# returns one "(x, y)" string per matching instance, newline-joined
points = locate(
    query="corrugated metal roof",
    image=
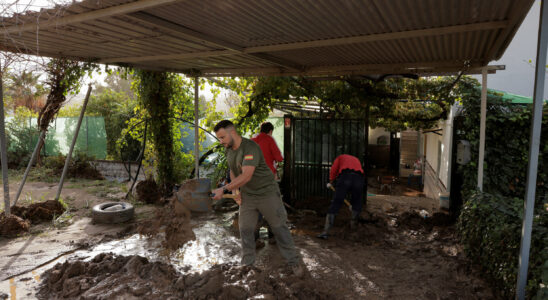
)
(273, 37)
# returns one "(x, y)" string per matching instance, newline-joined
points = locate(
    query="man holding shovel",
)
(348, 172)
(259, 194)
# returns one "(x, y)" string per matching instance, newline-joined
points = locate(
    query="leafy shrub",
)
(490, 229)
(21, 137)
(490, 223)
(79, 166)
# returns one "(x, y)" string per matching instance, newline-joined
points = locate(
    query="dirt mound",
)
(39, 212)
(229, 281)
(133, 277)
(174, 221)
(79, 166)
(112, 277)
(13, 225)
(148, 191)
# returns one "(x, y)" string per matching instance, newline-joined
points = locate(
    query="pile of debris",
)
(13, 225)
(23, 216)
(39, 212)
(108, 277)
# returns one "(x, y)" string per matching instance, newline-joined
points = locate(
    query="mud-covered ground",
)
(394, 254)
(390, 256)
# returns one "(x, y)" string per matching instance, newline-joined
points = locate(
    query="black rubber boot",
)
(329, 220)
(354, 220)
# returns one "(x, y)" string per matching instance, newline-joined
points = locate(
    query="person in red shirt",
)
(348, 172)
(271, 152)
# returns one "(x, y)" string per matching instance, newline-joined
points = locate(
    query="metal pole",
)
(69, 154)
(196, 131)
(366, 163)
(534, 143)
(482, 127)
(140, 159)
(3, 150)
(29, 166)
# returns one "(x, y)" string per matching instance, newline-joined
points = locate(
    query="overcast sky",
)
(519, 76)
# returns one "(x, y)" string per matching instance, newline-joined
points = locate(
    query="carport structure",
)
(289, 38)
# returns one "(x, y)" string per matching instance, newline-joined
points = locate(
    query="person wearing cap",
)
(348, 173)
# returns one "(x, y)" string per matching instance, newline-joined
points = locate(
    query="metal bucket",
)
(194, 193)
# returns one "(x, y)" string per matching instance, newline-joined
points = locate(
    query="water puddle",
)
(214, 244)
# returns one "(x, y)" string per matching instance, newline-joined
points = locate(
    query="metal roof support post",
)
(29, 166)
(3, 151)
(196, 128)
(69, 154)
(483, 115)
(534, 143)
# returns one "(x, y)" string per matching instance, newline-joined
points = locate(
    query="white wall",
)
(442, 179)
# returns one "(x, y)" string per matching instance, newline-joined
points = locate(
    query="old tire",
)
(100, 215)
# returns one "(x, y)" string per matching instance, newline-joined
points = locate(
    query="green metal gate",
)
(310, 147)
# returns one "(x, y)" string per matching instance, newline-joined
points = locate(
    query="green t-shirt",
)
(262, 182)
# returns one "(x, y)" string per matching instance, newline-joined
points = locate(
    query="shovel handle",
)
(330, 186)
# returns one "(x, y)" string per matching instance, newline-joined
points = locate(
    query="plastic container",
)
(445, 202)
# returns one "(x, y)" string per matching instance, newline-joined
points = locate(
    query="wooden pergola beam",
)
(88, 16)
(212, 41)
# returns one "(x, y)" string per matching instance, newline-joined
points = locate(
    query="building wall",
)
(437, 168)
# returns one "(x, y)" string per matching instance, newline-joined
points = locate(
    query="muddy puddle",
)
(214, 244)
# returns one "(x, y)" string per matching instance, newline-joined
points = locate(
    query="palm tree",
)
(25, 90)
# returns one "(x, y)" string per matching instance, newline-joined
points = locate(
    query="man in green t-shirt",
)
(259, 194)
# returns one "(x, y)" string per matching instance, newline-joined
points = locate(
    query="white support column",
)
(482, 127)
(196, 127)
(534, 145)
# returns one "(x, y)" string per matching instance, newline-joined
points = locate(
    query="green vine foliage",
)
(166, 103)
(63, 77)
(490, 223)
(395, 103)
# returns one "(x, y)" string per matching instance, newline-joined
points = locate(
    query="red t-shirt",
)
(343, 162)
(271, 152)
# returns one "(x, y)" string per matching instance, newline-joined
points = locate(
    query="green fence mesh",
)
(92, 138)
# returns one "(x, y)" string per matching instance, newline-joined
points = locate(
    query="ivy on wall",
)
(490, 223)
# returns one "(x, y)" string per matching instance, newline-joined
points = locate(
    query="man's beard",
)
(230, 144)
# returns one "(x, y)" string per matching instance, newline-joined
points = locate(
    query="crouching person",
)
(348, 173)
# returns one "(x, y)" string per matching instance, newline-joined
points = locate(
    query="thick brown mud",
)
(107, 276)
(173, 221)
(39, 212)
(13, 225)
(148, 192)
